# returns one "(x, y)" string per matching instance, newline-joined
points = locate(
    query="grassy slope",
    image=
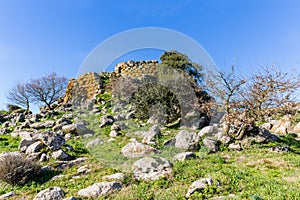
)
(254, 173)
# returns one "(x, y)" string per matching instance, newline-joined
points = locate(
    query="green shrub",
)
(16, 169)
(153, 94)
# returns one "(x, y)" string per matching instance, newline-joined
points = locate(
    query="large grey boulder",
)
(77, 129)
(199, 185)
(152, 168)
(53, 193)
(136, 149)
(42, 125)
(52, 140)
(60, 155)
(207, 131)
(211, 144)
(34, 148)
(24, 144)
(187, 140)
(100, 189)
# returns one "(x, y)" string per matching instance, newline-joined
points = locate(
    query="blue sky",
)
(38, 37)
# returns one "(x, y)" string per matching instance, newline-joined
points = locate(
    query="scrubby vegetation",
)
(79, 147)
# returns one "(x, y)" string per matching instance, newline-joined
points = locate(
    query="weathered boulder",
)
(151, 135)
(60, 155)
(24, 144)
(170, 142)
(152, 168)
(52, 140)
(211, 144)
(42, 125)
(207, 131)
(77, 129)
(198, 186)
(100, 189)
(53, 193)
(187, 140)
(184, 156)
(136, 149)
(34, 148)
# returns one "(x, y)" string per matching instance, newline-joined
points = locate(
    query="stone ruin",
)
(88, 85)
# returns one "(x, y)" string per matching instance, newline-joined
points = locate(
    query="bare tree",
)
(267, 92)
(19, 95)
(47, 89)
(270, 91)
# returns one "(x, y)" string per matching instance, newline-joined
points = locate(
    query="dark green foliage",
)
(16, 169)
(181, 61)
(11, 108)
(154, 94)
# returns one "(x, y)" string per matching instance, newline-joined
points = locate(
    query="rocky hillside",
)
(95, 149)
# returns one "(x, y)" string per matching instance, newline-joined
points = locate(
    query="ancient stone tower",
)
(90, 84)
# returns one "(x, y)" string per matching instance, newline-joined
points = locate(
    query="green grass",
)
(254, 173)
(8, 143)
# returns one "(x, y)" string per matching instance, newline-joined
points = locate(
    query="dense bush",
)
(16, 169)
(153, 94)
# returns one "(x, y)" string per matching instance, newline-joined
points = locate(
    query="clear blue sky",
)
(38, 37)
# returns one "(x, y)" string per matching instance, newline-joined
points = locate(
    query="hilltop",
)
(100, 142)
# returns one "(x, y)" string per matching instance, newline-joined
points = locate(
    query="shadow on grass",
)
(46, 176)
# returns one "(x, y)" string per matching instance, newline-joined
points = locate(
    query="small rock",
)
(282, 130)
(206, 131)
(199, 185)
(44, 157)
(53, 193)
(100, 189)
(7, 195)
(187, 140)
(53, 140)
(211, 144)
(60, 155)
(67, 164)
(151, 168)
(136, 149)
(170, 142)
(280, 149)
(111, 140)
(58, 177)
(116, 177)
(83, 169)
(236, 147)
(35, 147)
(94, 142)
(151, 134)
(106, 120)
(184, 156)
(113, 134)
